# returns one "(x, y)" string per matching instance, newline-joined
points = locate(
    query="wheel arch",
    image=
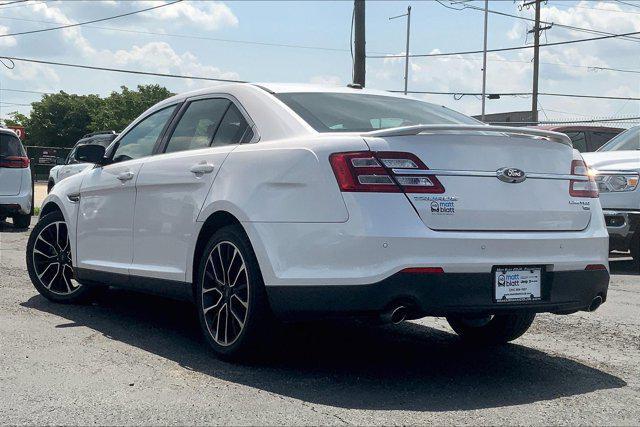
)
(213, 223)
(50, 207)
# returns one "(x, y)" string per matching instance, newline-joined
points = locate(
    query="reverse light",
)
(382, 172)
(14, 162)
(587, 188)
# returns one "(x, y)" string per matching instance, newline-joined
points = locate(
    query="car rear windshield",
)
(627, 140)
(10, 146)
(348, 112)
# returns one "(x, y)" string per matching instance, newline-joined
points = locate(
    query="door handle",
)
(125, 176)
(202, 168)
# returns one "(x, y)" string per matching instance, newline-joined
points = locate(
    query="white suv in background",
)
(71, 166)
(300, 202)
(16, 181)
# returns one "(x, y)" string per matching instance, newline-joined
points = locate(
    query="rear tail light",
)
(595, 267)
(587, 188)
(383, 172)
(14, 162)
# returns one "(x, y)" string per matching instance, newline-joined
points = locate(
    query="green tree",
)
(61, 119)
(121, 108)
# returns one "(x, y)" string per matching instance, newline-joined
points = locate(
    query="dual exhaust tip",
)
(397, 314)
(595, 303)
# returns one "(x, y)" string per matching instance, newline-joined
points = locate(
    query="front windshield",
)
(627, 140)
(354, 112)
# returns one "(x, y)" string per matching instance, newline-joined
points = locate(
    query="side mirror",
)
(91, 153)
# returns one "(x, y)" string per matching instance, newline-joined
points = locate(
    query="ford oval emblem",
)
(511, 175)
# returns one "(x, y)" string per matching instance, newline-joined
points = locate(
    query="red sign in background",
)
(19, 130)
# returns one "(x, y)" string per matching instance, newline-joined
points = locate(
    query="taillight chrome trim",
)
(486, 174)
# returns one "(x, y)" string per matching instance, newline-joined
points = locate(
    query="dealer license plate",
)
(513, 284)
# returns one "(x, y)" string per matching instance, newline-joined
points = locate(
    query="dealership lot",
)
(136, 359)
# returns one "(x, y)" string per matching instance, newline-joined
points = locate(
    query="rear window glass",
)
(350, 112)
(10, 146)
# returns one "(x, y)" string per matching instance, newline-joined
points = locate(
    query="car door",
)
(107, 198)
(172, 187)
(71, 166)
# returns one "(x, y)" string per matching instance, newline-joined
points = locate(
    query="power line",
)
(92, 21)
(189, 36)
(504, 49)
(13, 2)
(627, 3)
(120, 70)
(567, 95)
(570, 27)
(25, 91)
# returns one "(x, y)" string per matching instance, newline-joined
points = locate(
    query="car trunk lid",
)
(480, 174)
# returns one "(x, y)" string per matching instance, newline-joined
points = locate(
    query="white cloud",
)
(160, 57)
(206, 15)
(6, 41)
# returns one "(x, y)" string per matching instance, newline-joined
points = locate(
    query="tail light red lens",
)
(595, 267)
(587, 188)
(14, 162)
(423, 270)
(383, 172)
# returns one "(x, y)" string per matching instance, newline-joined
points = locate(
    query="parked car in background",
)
(16, 182)
(585, 138)
(617, 169)
(300, 201)
(71, 166)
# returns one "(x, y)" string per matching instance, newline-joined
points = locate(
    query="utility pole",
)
(484, 58)
(359, 43)
(406, 55)
(537, 4)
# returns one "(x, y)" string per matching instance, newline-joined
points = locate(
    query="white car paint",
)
(16, 186)
(304, 230)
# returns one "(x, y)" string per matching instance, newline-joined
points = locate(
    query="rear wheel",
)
(22, 221)
(230, 295)
(49, 261)
(498, 329)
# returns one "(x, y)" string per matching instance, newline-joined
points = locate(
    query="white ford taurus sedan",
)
(292, 202)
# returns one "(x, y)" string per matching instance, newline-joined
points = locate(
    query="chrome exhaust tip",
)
(597, 302)
(395, 315)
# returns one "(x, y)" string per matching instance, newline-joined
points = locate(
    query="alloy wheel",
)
(225, 293)
(52, 259)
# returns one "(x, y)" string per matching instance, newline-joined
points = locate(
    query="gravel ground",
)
(136, 359)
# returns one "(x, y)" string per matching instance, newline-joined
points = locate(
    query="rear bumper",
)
(436, 295)
(19, 204)
(623, 227)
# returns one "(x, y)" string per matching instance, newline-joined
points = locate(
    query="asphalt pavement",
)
(130, 358)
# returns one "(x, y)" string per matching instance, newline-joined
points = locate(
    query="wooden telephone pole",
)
(537, 4)
(359, 53)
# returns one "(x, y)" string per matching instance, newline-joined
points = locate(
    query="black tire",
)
(59, 288)
(257, 321)
(22, 221)
(499, 329)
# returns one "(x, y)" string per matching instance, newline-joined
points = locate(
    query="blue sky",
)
(324, 24)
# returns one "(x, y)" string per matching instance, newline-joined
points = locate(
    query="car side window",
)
(232, 128)
(140, 141)
(599, 138)
(578, 139)
(71, 157)
(198, 125)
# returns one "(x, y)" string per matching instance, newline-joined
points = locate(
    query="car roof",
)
(274, 88)
(8, 132)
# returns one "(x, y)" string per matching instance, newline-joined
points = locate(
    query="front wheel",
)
(230, 295)
(498, 329)
(49, 261)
